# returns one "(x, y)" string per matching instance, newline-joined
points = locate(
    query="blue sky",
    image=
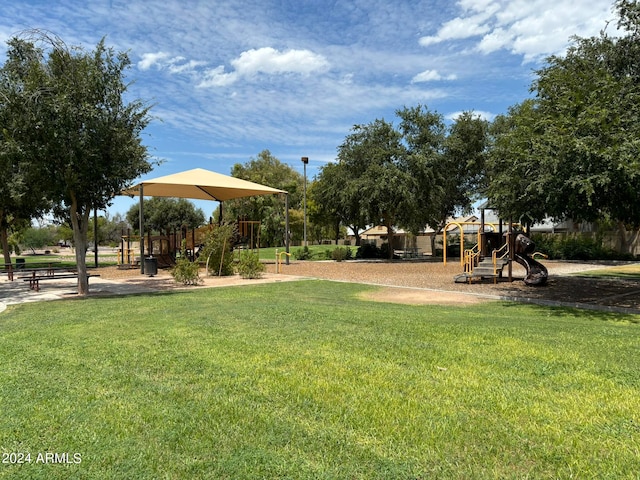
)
(231, 78)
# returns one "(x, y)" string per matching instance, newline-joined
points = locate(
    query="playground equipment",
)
(279, 259)
(496, 250)
(249, 232)
(479, 267)
(166, 248)
(475, 266)
(461, 226)
(126, 254)
(524, 252)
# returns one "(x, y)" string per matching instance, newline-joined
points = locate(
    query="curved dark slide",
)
(536, 272)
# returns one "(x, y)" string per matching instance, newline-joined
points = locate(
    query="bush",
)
(368, 250)
(384, 251)
(185, 271)
(575, 247)
(302, 253)
(249, 265)
(340, 253)
(216, 252)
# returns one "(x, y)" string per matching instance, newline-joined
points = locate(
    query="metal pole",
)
(305, 160)
(95, 235)
(286, 224)
(141, 230)
(511, 252)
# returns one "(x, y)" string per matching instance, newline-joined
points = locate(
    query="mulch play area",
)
(432, 282)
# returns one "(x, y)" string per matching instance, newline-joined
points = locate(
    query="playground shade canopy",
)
(200, 184)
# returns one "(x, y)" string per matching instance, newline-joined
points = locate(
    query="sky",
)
(228, 79)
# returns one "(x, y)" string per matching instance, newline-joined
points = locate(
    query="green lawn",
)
(622, 272)
(303, 380)
(318, 252)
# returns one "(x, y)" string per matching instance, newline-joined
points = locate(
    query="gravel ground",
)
(431, 282)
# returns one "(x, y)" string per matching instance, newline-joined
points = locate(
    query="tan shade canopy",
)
(200, 184)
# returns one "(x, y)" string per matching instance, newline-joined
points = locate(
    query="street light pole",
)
(305, 160)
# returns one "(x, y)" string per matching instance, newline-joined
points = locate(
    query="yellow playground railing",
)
(499, 254)
(471, 257)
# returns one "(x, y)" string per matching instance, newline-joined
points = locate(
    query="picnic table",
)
(10, 269)
(50, 274)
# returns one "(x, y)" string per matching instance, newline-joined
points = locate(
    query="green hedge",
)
(575, 247)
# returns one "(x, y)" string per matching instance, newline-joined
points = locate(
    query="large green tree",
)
(419, 174)
(336, 200)
(516, 180)
(268, 170)
(572, 151)
(22, 190)
(166, 215)
(448, 161)
(89, 145)
(378, 170)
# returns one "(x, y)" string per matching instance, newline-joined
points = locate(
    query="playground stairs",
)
(484, 269)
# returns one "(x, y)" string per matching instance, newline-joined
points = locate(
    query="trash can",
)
(151, 266)
(20, 263)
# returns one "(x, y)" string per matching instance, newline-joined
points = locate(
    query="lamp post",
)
(305, 160)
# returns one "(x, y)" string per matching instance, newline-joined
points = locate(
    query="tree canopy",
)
(22, 192)
(165, 215)
(76, 129)
(415, 175)
(266, 169)
(572, 151)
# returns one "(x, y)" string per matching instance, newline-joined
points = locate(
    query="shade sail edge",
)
(200, 184)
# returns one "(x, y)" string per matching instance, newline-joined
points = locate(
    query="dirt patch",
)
(409, 296)
(563, 287)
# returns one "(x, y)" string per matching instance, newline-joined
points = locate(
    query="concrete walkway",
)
(18, 291)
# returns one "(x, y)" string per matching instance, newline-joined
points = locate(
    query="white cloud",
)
(271, 61)
(152, 59)
(216, 77)
(175, 65)
(268, 61)
(531, 28)
(431, 76)
(185, 67)
(463, 27)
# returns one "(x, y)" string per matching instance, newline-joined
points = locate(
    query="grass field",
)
(303, 380)
(318, 252)
(623, 272)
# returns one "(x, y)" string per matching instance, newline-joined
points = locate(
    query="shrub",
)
(185, 271)
(216, 252)
(340, 253)
(368, 250)
(302, 253)
(249, 265)
(384, 251)
(574, 247)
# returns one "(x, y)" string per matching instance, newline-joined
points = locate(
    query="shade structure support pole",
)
(511, 248)
(286, 226)
(95, 235)
(141, 216)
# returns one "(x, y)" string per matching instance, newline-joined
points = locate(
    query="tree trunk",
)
(390, 240)
(433, 244)
(80, 225)
(356, 233)
(4, 240)
(626, 241)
